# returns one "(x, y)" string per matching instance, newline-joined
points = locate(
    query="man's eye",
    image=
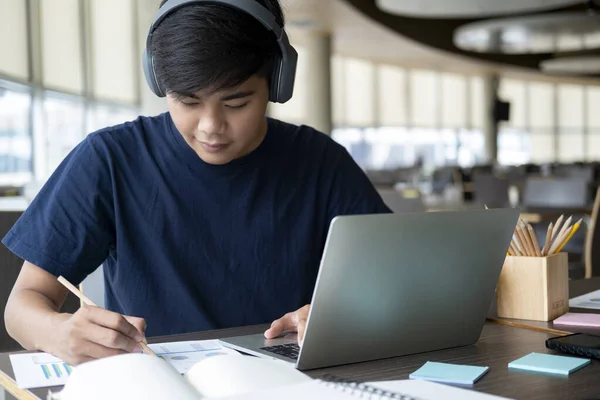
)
(237, 107)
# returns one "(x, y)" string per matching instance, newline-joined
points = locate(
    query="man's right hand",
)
(94, 332)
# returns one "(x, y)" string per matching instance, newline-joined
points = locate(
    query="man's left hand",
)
(292, 321)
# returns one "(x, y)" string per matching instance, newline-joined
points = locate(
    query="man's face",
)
(226, 124)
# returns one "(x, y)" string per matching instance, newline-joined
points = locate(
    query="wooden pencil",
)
(525, 240)
(570, 235)
(513, 249)
(556, 227)
(90, 302)
(524, 249)
(565, 228)
(559, 240)
(7, 383)
(517, 239)
(515, 244)
(536, 244)
(548, 240)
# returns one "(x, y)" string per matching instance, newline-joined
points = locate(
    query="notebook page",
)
(300, 391)
(130, 376)
(419, 390)
(235, 375)
(433, 391)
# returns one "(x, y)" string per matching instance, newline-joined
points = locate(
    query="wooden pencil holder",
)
(534, 288)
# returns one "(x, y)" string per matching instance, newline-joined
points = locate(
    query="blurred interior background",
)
(399, 83)
(446, 104)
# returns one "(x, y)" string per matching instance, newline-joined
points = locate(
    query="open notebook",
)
(231, 377)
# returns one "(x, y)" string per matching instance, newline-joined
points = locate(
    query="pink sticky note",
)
(579, 319)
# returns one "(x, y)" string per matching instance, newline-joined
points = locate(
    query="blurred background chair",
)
(490, 190)
(556, 193)
(402, 201)
(592, 241)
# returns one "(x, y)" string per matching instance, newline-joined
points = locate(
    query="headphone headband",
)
(284, 69)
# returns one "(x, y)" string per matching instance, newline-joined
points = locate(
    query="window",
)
(593, 101)
(424, 98)
(541, 105)
(63, 127)
(14, 61)
(61, 45)
(454, 101)
(15, 136)
(593, 123)
(570, 123)
(542, 143)
(391, 84)
(100, 116)
(347, 137)
(359, 88)
(570, 106)
(115, 52)
(471, 150)
(513, 146)
(477, 102)
(593, 145)
(571, 145)
(338, 94)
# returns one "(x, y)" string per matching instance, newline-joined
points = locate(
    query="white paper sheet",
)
(35, 370)
(183, 355)
(590, 301)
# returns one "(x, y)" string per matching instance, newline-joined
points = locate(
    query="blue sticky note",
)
(449, 373)
(549, 363)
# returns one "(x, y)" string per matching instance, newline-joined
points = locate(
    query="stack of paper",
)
(548, 363)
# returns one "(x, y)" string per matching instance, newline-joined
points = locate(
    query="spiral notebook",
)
(333, 388)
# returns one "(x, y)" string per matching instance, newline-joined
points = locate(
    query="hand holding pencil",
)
(526, 244)
(93, 332)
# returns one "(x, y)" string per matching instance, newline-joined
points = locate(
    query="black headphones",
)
(284, 66)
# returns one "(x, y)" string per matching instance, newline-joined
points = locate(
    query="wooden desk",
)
(497, 346)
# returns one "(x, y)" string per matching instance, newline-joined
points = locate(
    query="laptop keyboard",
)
(287, 350)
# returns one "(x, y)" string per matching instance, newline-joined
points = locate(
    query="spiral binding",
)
(362, 390)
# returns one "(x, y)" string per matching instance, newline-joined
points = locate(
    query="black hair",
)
(212, 47)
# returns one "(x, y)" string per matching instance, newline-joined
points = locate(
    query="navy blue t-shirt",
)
(187, 245)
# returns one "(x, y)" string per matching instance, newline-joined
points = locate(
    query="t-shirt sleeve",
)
(68, 228)
(351, 191)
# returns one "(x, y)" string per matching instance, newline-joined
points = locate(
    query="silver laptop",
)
(397, 284)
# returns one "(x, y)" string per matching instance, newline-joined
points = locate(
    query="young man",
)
(208, 216)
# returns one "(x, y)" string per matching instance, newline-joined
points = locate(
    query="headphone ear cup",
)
(150, 74)
(275, 82)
